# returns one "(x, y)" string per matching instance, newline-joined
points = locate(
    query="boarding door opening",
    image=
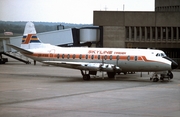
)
(51, 54)
(117, 60)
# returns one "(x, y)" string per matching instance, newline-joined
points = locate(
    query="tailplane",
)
(30, 40)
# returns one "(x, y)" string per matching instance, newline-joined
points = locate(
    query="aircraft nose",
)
(174, 65)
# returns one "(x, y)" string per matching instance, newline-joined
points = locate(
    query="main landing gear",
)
(111, 74)
(161, 76)
(86, 74)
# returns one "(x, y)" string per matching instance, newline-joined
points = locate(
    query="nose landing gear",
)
(161, 76)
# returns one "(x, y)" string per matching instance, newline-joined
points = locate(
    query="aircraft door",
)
(51, 55)
(117, 60)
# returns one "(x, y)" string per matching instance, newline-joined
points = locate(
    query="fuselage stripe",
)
(91, 57)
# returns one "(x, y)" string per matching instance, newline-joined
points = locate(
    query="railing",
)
(17, 56)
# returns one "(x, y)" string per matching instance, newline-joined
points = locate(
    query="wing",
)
(85, 66)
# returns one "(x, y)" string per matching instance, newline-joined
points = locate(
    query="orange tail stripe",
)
(28, 38)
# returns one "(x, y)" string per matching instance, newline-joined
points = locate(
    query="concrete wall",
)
(159, 3)
(167, 19)
(114, 23)
(113, 36)
(139, 19)
(119, 18)
(108, 18)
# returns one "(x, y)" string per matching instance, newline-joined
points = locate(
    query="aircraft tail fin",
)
(29, 39)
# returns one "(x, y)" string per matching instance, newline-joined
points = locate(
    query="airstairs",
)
(14, 55)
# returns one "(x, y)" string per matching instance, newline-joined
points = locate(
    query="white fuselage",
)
(126, 59)
(91, 60)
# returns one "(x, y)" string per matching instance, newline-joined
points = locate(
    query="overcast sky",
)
(69, 11)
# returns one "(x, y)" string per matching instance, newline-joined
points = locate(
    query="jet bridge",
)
(85, 36)
(53, 37)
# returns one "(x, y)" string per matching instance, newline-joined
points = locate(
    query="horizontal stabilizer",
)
(20, 49)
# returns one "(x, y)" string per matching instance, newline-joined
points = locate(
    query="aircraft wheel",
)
(111, 74)
(170, 74)
(155, 80)
(162, 79)
(86, 77)
(125, 73)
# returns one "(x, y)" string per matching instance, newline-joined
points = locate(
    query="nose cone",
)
(174, 65)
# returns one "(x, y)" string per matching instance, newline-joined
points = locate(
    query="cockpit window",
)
(160, 54)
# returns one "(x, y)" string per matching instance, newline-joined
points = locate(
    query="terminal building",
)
(159, 29)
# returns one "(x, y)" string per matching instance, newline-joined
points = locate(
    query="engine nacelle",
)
(110, 68)
(101, 67)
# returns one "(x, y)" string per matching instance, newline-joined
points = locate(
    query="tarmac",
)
(48, 91)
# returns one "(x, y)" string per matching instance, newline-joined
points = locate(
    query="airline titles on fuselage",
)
(104, 52)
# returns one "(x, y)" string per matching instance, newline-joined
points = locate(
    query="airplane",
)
(91, 60)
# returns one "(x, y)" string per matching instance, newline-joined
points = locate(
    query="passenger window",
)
(128, 58)
(63, 56)
(86, 56)
(135, 58)
(58, 55)
(92, 56)
(117, 57)
(74, 56)
(99, 56)
(80, 56)
(68, 56)
(110, 57)
(105, 57)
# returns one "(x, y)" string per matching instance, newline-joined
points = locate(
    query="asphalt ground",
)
(48, 91)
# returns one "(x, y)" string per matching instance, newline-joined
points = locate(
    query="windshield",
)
(160, 54)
